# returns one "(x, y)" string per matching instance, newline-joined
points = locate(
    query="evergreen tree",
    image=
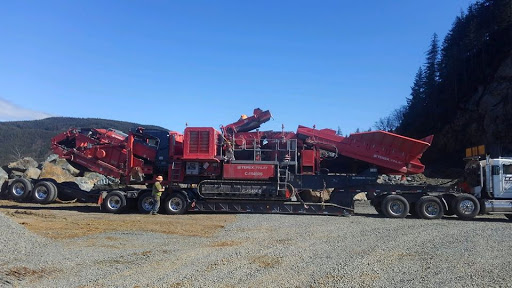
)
(415, 106)
(338, 132)
(432, 99)
(446, 88)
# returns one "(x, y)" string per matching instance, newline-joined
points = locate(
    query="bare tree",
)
(16, 153)
(391, 122)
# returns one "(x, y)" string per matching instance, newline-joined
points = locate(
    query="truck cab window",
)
(495, 170)
(507, 169)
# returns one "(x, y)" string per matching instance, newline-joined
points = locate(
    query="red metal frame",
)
(200, 143)
(250, 123)
(117, 155)
(394, 152)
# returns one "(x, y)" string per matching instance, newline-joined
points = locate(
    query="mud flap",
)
(102, 196)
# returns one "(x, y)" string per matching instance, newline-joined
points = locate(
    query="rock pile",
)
(53, 168)
(3, 179)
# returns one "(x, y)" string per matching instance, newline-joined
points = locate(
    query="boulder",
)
(51, 158)
(3, 181)
(316, 196)
(53, 171)
(3, 174)
(32, 173)
(15, 174)
(64, 164)
(84, 183)
(23, 164)
(100, 181)
(60, 172)
(360, 197)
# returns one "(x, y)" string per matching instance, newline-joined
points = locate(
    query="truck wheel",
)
(429, 207)
(378, 208)
(114, 202)
(377, 204)
(509, 216)
(395, 206)
(43, 192)
(146, 203)
(176, 204)
(19, 189)
(465, 206)
(56, 192)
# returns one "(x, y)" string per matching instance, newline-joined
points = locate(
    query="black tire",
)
(56, 192)
(19, 189)
(146, 203)
(465, 206)
(395, 206)
(429, 207)
(176, 203)
(509, 216)
(378, 209)
(114, 202)
(377, 204)
(43, 192)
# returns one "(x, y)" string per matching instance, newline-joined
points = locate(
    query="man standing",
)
(157, 192)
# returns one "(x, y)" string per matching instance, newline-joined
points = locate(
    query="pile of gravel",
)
(16, 243)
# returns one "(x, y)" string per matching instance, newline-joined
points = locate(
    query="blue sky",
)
(324, 63)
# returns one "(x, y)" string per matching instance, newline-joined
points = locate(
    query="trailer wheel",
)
(43, 192)
(56, 192)
(429, 207)
(176, 204)
(395, 206)
(19, 189)
(377, 204)
(114, 202)
(465, 206)
(378, 209)
(146, 203)
(509, 216)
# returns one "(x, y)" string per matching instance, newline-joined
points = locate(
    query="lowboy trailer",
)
(238, 170)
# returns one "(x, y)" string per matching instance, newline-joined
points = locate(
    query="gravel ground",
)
(270, 251)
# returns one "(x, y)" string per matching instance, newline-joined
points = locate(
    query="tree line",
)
(467, 59)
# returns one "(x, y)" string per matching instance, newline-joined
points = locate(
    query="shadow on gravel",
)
(479, 219)
(82, 209)
(369, 215)
(449, 218)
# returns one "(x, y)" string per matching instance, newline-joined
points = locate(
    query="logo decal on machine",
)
(248, 171)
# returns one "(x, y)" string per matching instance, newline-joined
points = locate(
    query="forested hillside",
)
(33, 138)
(463, 92)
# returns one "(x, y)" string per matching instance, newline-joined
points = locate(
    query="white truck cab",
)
(496, 178)
(499, 184)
